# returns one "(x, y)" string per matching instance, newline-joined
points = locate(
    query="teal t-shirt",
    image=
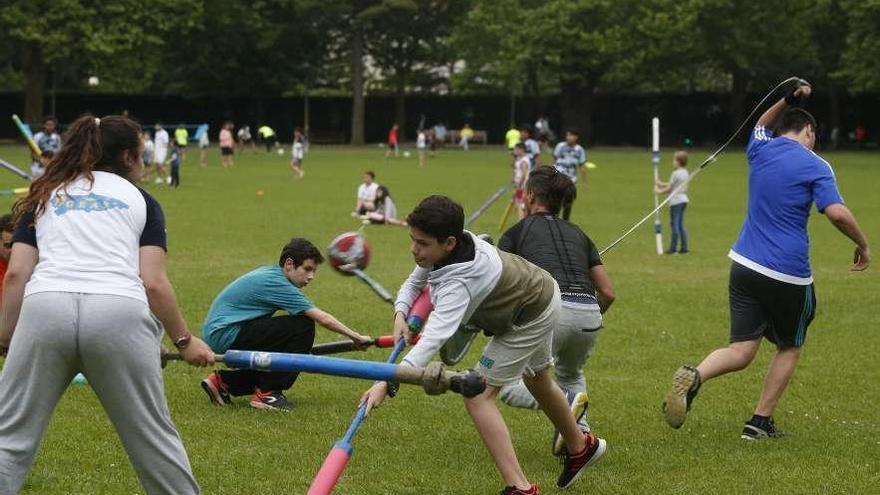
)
(257, 294)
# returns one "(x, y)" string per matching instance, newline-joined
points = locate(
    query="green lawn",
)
(670, 311)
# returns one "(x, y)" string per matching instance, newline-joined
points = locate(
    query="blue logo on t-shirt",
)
(62, 203)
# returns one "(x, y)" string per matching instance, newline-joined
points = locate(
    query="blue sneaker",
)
(272, 400)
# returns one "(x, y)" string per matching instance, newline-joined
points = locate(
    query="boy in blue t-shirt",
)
(771, 285)
(241, 317)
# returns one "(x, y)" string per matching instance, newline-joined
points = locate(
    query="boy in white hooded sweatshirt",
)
(514, 301)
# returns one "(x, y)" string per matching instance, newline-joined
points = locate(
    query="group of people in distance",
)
(569, 159)
(427, 140)
(540, 296)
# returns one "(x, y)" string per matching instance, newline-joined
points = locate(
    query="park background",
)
(603, 66)
(346, 70)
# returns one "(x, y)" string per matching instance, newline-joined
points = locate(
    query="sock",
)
(760, 421)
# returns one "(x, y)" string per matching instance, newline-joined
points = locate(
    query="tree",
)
(407, 43)
(122, 38)
(861, 68)
(753, 43)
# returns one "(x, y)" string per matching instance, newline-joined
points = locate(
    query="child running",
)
(298, 150)
(511, 299)
(567, 253)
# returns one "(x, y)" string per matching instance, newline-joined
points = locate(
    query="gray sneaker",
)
(685, 385)
(578, 402)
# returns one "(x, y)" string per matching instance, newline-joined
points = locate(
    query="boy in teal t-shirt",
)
(241, 317)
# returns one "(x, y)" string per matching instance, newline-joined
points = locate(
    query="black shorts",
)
(764, 307)
(224, 151)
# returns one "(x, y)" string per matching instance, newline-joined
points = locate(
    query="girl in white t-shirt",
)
(421, 146)
(298, 150)
(85, 279)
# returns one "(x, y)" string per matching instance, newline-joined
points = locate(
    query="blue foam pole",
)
(279, 361)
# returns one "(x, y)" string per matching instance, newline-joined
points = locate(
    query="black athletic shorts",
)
(226, 151)
(764, 307)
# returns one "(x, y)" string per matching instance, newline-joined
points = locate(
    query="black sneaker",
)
(273, 400)
(512, 490)
(685, 385)
(578, 403)
(217, 391)
(573, 466)
(759, 430)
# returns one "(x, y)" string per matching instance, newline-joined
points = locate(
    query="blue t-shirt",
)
(785, 179)
(257, 294)
(569, 158)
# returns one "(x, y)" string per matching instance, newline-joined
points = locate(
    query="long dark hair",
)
(89, 144)
(551, 188)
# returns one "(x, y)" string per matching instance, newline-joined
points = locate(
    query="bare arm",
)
(604, 287)
(840, 216)
(769, 117)
(583, 173)
(21, 265)
(329, 322)
(163, 304)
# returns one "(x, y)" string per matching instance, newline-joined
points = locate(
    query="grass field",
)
(670, 310)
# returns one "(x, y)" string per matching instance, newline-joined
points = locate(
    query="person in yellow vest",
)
(181, 136)
(466, 135)
(511, 138)
(267, 136)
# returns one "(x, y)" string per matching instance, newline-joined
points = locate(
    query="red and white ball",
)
(348, 250)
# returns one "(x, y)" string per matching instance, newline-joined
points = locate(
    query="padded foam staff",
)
(15, 170)
(339, 455)
(318, 350)
(434, 378)
(25, 132)
(486, 204)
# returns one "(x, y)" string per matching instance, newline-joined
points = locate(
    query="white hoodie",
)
(456, 292)
(496, 291)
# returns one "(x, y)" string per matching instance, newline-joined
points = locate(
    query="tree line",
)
(570, 48)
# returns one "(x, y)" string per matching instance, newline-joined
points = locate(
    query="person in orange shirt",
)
(6, 227)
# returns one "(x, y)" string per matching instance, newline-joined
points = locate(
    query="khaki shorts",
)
(524, 350)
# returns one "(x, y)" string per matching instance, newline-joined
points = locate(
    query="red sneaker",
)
(512, 490)
(573, 466)
(217, 391)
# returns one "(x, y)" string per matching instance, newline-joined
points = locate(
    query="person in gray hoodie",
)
(512, 300)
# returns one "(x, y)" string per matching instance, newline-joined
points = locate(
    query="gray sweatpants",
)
(114, 342)
(573, 341)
